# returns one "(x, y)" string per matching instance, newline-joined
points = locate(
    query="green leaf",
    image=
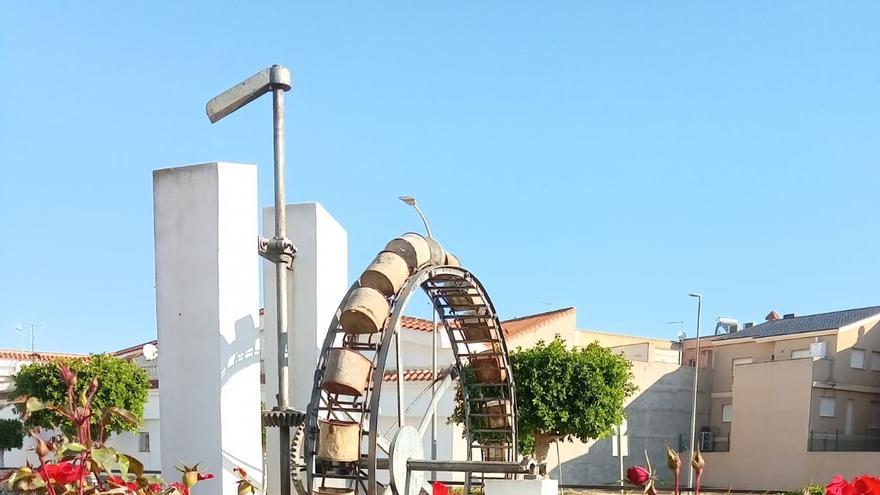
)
(134, 466)
(105, 457)
(124, 414)
(33, 405)
(75, 448)
(122, 462)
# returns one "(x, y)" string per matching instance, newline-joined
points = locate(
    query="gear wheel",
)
(297, 458)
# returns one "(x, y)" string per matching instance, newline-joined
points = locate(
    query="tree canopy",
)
(122, 384)
(566, 393)
(11, 434)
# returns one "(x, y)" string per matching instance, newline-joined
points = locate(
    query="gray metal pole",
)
(401, 413)
(620, 453)
(434, 391)
(281, 283)
(424, 220)
(694, 405)
(279, 250)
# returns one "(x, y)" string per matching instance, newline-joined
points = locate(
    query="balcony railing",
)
(837, 441)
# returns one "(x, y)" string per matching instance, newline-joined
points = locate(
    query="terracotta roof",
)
(134, 351)
(417, 324)
(37, 356)
(414, 375)
(517, 326)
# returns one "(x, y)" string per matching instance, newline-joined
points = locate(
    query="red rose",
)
(637, 475)
(439, 488)
(866, 485)
(180, 488)
(861, 485)
(61, 473)
(155, 488)
(121, 483)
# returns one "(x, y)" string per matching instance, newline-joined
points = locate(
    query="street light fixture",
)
(694, 405)
(412, 202)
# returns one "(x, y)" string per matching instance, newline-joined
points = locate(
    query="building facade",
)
(803, 389)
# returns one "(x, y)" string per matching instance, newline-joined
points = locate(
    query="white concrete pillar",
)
(317, 284)
(207, 298)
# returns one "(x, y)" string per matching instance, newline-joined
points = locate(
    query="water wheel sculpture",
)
(340, 449)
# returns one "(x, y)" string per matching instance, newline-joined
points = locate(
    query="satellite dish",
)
(682, 335)
(150, 351)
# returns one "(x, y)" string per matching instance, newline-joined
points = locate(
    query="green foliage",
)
(11, 434)
(123, 385)
(812, 489)
(566, 393)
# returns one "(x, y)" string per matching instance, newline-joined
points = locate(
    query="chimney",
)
(772, 316)
(748, 325)
(788, 316)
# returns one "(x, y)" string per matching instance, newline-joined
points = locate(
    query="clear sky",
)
(605, 155)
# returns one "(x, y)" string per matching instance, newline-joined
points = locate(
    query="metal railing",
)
(837, 441)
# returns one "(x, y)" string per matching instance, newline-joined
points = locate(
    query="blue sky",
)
(608, 156)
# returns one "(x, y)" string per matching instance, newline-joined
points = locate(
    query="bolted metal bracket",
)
(277, 250)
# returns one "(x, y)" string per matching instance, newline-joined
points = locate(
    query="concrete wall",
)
(207, 301)
(769, 436)
(316, 286)
(658, 415)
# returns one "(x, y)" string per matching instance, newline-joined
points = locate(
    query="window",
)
(874, 415)
(727, 413)
(144, 441)
(875, 361)
(801, 353)
(857, 359)
(826, 407)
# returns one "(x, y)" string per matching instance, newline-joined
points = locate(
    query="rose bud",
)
(698, 463)
(637, 475)
(673, 460)
(68, 376)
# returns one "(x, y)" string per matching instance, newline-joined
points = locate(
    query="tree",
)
(122, 384)
(564, 393)
(11, 436)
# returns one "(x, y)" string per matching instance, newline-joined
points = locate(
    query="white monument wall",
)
(206, 304)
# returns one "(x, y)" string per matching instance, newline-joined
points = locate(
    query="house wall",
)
(658, 415)
(607, 339)
(772, 417)
(865, 336)
(771, 410)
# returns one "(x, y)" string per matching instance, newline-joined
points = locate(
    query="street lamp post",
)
(279, 249)
(694, 405)
(411, 201)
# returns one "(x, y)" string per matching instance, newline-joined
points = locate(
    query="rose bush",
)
(82, 463)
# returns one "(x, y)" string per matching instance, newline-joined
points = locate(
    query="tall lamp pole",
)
(411, 201)
(279, 249)
(694, 405)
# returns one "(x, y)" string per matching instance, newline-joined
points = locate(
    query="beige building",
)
(793, 400)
